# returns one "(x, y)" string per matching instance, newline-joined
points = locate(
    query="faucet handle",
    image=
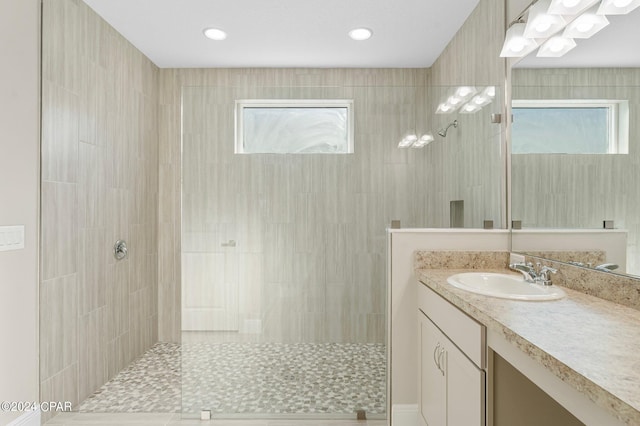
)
(544, 276)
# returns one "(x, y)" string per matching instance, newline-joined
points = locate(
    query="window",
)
(570, 126)
(297, 126)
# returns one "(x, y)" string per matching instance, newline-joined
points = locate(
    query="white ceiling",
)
(287, 33)
(617, 45)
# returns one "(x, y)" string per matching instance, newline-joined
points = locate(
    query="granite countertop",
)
(590, 343)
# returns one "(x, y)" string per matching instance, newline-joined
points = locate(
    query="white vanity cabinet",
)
(452, 384)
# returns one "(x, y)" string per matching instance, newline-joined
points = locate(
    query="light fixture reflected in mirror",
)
(424, 140)
(412, 141)
(407, 141)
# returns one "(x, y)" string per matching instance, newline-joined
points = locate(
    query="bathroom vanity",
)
(568, 361)
(452, 363)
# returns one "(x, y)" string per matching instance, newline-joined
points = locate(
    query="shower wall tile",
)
(92, 186)
(92, 264)
(301, 223)
(99, 183)
(61, 387)
(59, 229)
(58, 325)
(92, 367)
(59, 133)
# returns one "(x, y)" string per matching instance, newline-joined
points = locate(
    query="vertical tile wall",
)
(470, 163)
(580, 191)
(99, 184)
(310, 229)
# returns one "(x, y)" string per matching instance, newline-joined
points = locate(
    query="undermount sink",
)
(504, 286)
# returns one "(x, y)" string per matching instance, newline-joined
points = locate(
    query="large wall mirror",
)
(576, 140)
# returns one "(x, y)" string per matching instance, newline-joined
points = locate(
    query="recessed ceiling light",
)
(215, 34)
(360, 34)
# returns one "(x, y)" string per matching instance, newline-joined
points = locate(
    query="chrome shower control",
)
(120, 250)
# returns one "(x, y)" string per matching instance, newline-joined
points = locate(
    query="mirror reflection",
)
(575, 154)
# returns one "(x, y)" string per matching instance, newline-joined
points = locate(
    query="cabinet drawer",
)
(467, 334)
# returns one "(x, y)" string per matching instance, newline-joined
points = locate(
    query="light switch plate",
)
(11, 237)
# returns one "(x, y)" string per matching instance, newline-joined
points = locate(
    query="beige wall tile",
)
(59, 230)
(100, 183)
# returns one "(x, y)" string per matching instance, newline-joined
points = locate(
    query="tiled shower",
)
(133, 152)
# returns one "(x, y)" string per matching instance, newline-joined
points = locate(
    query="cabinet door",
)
(432, 387)
(465, 389)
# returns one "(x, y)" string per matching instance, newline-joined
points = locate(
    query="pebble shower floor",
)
(249, 378)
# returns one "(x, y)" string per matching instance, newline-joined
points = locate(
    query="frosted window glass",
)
(294, 130)
(561, 130)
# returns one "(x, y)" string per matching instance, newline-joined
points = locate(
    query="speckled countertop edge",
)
(591, 344)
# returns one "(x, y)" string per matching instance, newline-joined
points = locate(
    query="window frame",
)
(242, 104)
(618, 118)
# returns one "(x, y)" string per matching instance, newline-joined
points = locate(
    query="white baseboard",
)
(404, 415)
(29, 418)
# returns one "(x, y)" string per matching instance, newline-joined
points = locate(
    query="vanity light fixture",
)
(465, 92)
(585, 19)
(586, 25)
(480, 100)
(569, 7)
(471, 107)
(540, 23)
(459, 97)
(617, 7)
(215, 34)
(489, 91)
(412, 141)
(360, 34)
(445, 108)
(407, 141)
(555, 47)
(424, 140)
(516, 45)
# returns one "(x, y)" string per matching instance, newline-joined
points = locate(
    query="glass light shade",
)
(480, 100)
(516, 45)
(465, 92)
(424, 140)
(617, 7)
(407, 141)
(489, 91)
(454, 101)
(215, 34)
(540, 23)
(445, 108)
(471, 107)
(569, 7)
(556, 47)
(585, 25)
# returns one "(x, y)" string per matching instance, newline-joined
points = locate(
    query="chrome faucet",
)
(544, 276)
(526, 269)
(606, 267)
(538, 274)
